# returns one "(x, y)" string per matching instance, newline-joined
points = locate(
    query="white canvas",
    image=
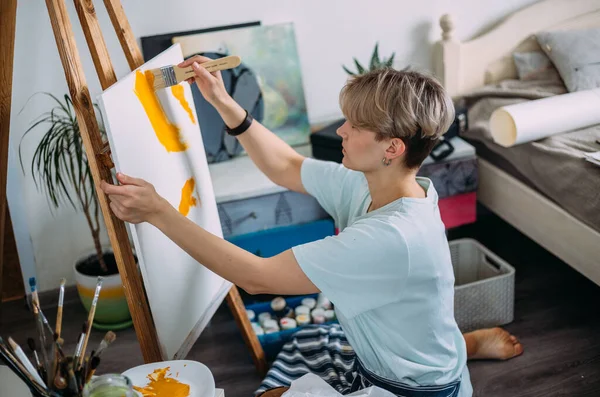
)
(183, 295)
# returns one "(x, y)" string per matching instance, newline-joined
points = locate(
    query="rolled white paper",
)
(532, 120)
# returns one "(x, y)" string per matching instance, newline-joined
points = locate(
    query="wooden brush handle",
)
(228, 62)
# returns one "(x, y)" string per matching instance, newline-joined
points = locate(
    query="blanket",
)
(555, 166)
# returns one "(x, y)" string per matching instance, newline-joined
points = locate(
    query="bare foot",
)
(492, 343)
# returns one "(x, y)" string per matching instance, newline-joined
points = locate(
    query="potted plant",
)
(375, 63)
(60, 168)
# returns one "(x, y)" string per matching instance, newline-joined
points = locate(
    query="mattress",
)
(555, 166)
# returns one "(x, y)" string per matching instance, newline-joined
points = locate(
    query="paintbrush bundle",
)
(52, 373)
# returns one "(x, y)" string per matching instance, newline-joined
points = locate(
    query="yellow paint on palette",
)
(167, 133)
(178, 93)
(187, 198)
(162, 386)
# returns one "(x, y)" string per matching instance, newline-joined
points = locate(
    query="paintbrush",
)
(25, 361)
(108, 339)
(171, 75)
(90, 319)
(79, 348)
(61, 301)
(35, 300)
(18, 368)
(94, 362)
(40, 368)
(40, 328)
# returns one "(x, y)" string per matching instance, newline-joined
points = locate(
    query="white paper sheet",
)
(183, 295)
(532, 120)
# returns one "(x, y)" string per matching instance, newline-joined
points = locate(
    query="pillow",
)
(576, 55)
(535, 65)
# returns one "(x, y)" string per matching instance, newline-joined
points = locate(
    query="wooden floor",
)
(557, 317)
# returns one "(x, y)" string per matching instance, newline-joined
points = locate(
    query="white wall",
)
(329, 33)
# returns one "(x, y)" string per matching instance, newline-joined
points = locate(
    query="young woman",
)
(388, 272)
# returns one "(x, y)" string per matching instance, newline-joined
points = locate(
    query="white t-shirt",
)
(389, 274)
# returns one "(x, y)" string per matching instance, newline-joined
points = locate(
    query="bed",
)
(510, 185)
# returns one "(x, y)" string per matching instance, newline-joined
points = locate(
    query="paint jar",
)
(262, 317)
(251, 315)
(318, 319)
(323, 302)
(288, 323)
(311, 303)
(318, 313)
(270, 325)
(329, 315)
(279, 307)
(302, 319)
(109, 385)
(258, 330)
(302, 310)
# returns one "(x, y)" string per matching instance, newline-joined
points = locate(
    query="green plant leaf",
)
(359, 67)
(374, 57)
(390, 62)
(348, 71)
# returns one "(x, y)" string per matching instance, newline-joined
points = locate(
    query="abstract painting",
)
(270, 54)
(154, 135)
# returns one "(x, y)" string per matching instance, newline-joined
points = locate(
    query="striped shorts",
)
(324, 351)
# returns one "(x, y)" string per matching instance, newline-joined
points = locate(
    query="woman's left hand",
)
(135, 200)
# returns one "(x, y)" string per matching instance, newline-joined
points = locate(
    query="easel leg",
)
(92, 141)
(8, 23)
(234, 300)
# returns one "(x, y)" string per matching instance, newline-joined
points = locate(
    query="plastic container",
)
(274, 341)
(484, 286)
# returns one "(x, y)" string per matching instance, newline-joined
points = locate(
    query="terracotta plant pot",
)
(112, 312)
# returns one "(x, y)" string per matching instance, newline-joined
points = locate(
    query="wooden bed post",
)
(446, 53)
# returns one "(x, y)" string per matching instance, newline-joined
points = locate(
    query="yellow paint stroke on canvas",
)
(162, 386)
(167, 133)
(187, 198)
(178, 93)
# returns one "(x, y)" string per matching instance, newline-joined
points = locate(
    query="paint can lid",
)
(302, 310)
(323, 301)
(318, 312)
(318, 319)
(303, 319)
(258, 330)
(270, 324)
(288, 323)
(309, 302)
(278, 304)
(262, 317)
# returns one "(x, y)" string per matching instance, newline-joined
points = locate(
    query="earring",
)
(386, 161)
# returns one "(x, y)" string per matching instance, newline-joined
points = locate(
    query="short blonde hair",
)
(403, 104)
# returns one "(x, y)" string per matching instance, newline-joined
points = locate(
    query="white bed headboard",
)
(464, 66)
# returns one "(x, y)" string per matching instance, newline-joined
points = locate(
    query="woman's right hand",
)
(210, 84)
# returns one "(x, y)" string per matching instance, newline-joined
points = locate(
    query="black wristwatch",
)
(242, 127)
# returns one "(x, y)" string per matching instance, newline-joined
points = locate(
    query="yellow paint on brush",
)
(166, 132)
(187, 198)
(178, 93)
(162, 386)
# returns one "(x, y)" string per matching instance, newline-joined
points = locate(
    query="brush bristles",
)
(110, 337)
(164, 77)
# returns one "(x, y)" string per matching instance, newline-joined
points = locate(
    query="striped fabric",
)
(319, 349)
(324, 351)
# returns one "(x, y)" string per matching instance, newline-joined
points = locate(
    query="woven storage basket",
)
(484, 293)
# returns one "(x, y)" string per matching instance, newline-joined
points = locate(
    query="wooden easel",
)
(97, 152)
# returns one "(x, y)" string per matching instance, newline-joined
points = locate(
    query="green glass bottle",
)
(109, 385)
